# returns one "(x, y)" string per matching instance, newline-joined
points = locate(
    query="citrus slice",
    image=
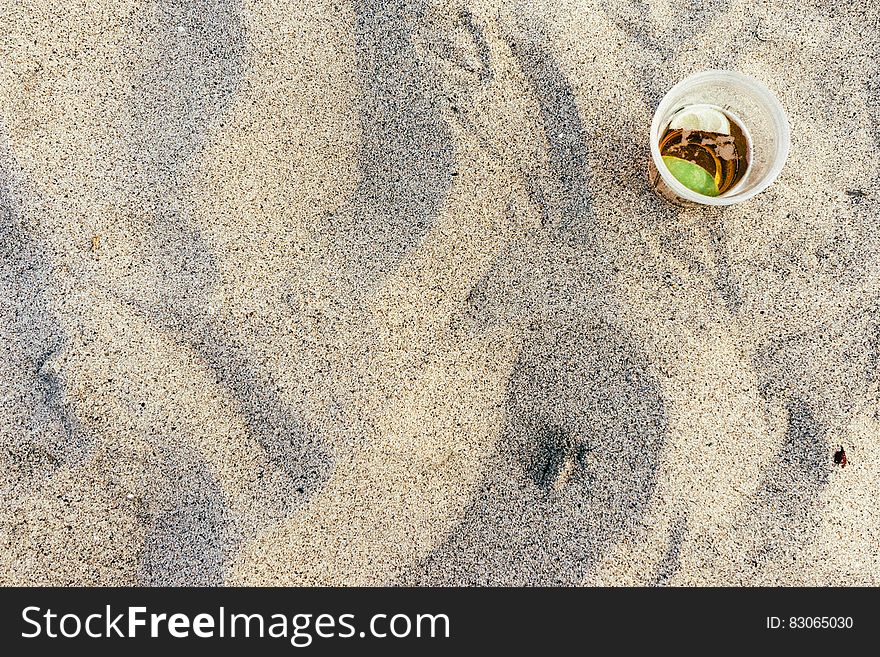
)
(701, 117)
(691, 175)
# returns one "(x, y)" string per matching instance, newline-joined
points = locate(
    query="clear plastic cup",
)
(759, 113)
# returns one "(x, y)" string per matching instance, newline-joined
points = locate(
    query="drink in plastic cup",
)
(705, 108)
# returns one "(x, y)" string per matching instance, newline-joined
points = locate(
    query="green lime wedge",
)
(691, 175)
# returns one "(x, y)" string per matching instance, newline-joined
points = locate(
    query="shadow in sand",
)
(194, 60)
(289, 443)
(43, 433)
(576, 467)
(670, 564)
(184, 545)
(575, 470)
(566, 136)
(819, 404)
(785, 504)
(821, 375)
(568, 202)
(406, 159)
(192, 56)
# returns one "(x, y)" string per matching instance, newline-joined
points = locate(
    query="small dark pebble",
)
(840, 457)
(856, 195)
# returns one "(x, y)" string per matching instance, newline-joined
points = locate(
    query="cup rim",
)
(779, 118)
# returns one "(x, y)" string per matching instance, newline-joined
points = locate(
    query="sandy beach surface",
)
(371, 292)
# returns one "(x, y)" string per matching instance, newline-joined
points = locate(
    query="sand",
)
(377, 293)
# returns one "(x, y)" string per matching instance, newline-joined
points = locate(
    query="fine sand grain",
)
(376, 293)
